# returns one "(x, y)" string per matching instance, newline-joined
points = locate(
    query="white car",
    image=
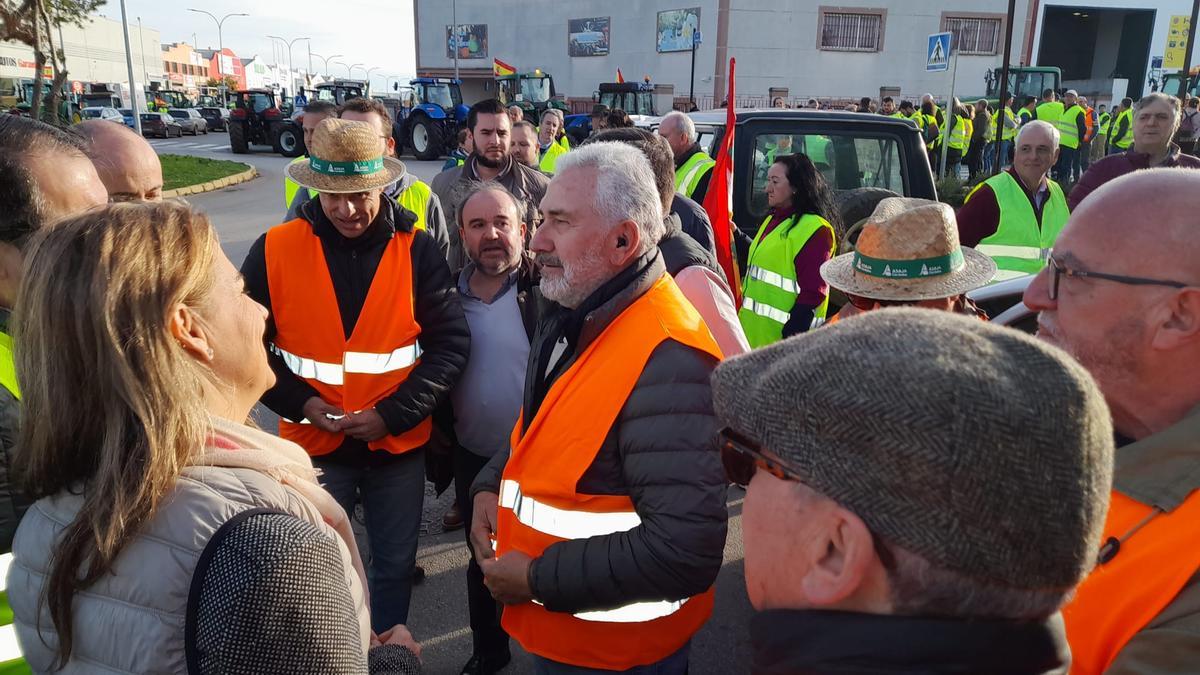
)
(102, 113)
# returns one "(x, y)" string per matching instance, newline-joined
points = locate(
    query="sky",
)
(371, 32)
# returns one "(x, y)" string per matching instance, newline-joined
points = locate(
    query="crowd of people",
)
(924, 491)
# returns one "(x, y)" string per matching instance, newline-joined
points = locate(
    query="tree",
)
(32, 22)
(230, 82)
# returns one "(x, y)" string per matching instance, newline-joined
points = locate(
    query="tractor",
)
(256, 118)
(1022, 81)
(430, 115)
(635, 98)
(337, 92)
(533, 92)
(1171, 82)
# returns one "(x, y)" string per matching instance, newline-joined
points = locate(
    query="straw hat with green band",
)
(346, 157)
(909, 250)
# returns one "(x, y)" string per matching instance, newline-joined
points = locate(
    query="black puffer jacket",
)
(661, 452)
(445, 338)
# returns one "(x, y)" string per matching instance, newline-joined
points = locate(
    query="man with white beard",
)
(599, 538)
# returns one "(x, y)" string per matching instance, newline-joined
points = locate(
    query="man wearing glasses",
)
(908, 254)
(1015, 216)
(1122, 295)
(919, 505)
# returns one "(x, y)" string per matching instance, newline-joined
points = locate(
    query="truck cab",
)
(1022, 82)
(635, 98)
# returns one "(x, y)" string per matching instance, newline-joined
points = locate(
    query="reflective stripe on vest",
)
(770, 288)
(960, 134)
(1020, 245)
(1127, 140)
(10, 649)
(689, 174)
(539, 505)
(1156, 558)
(415, 198)
(1068, 127)
(353, 373)
(8, 369)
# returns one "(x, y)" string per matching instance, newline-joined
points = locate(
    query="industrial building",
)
(796, 48)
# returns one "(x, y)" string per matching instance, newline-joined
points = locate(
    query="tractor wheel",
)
(288, 142)
(854, 207)
(425, 139)
(237, 139)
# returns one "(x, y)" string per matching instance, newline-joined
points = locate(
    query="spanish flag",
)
(620, 77)
(500, 68)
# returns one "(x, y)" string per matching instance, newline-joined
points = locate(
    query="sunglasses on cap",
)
(742, 456)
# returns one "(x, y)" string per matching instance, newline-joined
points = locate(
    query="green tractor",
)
(533, 92)
(1022, 81)
(1171, 82)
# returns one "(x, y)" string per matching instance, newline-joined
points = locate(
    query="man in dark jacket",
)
(604, 534)
(44, 176)
(498, 290)
(490, 129)
(357, 376)
(882, 535)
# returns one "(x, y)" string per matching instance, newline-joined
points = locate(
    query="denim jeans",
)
(392, 495)
(1005, 148)
(675, 664)
(1066, 160)
(488, 638)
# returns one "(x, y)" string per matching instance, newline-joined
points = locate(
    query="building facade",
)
(794, 48)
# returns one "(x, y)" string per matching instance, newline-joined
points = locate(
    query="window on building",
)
(853, 32)
(975, 35)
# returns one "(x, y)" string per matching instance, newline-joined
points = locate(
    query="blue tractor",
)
(430, 115)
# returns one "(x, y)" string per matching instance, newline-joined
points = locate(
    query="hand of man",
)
(366, 426)
(507, 577)
(315, 411)
(483, 525)
(399, 635)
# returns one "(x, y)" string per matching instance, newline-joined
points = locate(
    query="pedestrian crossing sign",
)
(938, 54)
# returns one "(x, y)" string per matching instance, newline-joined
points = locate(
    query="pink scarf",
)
(234, 445)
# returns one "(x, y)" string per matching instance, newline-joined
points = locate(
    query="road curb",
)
(209, 186)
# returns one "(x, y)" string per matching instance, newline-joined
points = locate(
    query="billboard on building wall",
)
(471, 40)
(1177, 39)
(588, 37)
(675, 29)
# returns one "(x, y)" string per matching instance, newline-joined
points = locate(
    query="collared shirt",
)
(979, 218)
(487, 397)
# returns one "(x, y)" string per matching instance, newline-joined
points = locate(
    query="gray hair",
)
(625, 187)
(553, 112)
(920, 588)
(1055, 136)
(489, 186)
(1159, 97)
(683, 122)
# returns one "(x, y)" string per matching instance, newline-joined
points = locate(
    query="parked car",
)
(161, 125)
(217, 118)
(190, 120)
(102, 113)
(127, 116)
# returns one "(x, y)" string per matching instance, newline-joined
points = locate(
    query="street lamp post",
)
(350, 69)
(369, 71)
(291, 72)
(325, 60)
(221, 46)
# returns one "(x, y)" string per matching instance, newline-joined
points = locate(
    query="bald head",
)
(128, 166)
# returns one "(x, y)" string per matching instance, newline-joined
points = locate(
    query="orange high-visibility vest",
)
(539, 505)
(352, 374)
(1123, 595)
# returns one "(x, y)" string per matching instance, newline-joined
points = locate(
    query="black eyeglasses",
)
(742, 456)
(1057, 271)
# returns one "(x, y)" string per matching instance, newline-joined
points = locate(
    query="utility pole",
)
(221, 46)
(142, 50)
(454, 33)
(696, 39)
(137, 117)
(1187, 55)
(1001, 113)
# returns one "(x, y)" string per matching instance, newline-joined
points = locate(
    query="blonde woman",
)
(167, 535)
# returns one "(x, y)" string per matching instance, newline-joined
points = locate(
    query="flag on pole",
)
(620, 77)
(500, 68)
(718, 201)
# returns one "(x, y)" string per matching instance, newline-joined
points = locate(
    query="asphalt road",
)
(438, 614)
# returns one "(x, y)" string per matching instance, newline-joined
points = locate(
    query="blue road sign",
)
(938, 55)
(697, 38)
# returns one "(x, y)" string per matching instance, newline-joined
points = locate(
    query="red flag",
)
(620, 77)
(718, 201)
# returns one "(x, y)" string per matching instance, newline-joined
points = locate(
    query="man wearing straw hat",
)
(366, 338)
(909, 254)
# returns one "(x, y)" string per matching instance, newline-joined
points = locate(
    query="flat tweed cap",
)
(977, 447)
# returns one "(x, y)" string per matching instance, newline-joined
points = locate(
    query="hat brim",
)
(977, 271)
(303, 175)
